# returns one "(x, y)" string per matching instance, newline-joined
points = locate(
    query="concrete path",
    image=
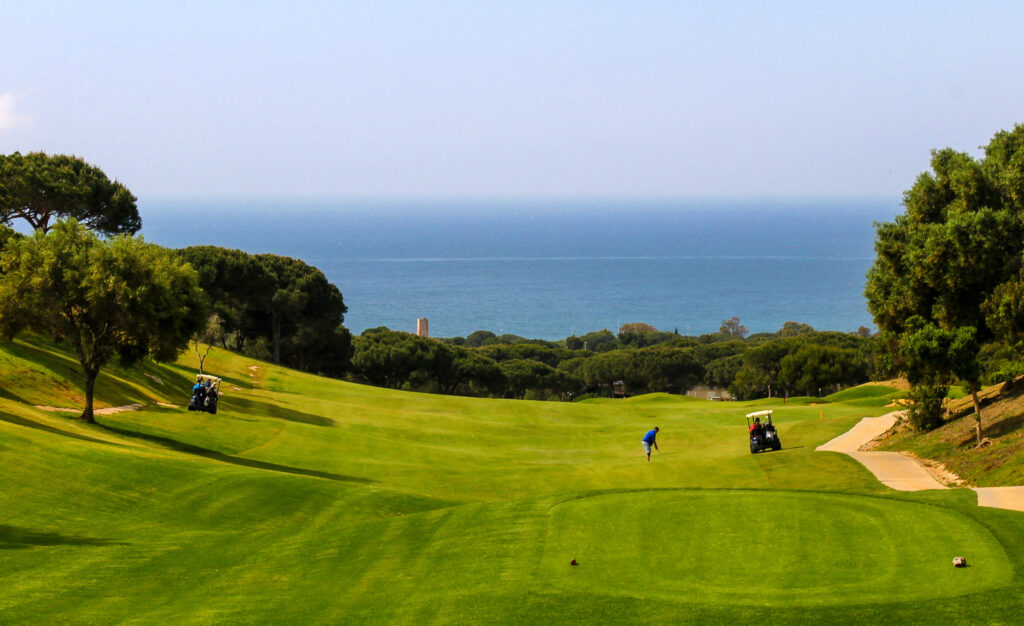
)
(1001, 497)
(891, 468)
(904, 473)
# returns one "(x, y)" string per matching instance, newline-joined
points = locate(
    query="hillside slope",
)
(1000, 459)
(313, 500)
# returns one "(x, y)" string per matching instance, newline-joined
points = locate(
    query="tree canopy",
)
(40, 188)
(954, 258)
(120, 296)
(275, 307)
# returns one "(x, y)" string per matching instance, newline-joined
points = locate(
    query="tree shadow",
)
(9, 395)
(1004, 426)
(15, 538)
(21, 421)
(256, 407)
(214, 455)
(63, 367)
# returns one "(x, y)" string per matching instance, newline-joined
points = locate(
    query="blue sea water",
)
(551, 269)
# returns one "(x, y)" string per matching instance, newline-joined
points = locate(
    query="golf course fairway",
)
(310, 500)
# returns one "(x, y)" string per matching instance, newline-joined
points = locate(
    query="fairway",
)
(309, 500)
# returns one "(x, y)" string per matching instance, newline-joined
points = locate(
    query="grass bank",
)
(306, 500)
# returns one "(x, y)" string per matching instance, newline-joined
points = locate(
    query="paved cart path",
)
(904, 473)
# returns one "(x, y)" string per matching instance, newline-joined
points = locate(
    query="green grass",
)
(867, 395)
(307, 500)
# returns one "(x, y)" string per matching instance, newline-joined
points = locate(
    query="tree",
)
(672, 370)
(212, 333)
(637, 327)
(6, 234)
(816, 366)
(749, 383)
(388, 358)
(277, 304)
(39, 188)
(598, 341)
(953, 257)
(722, 372)
(641, 335)
(733, 328)
(795, 329)
(119, 296)
(932, 358)
(767, 359)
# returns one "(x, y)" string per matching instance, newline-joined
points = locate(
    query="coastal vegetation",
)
(947, 289)
(273, 307)
(310, 498)
(796, 360)
(119, 296)
(40, 188)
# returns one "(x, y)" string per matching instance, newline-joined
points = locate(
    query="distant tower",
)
(422, 327)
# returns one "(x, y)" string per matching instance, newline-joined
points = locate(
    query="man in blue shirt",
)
(650, 439)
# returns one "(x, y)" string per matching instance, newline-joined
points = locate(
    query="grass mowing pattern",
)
(773, 548)
(309, 500)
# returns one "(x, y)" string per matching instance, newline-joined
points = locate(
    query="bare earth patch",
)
(155, 379)
(110, 410)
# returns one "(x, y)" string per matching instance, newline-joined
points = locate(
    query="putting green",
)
(775, 548)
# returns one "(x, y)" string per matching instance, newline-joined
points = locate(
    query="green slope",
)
(310, 500)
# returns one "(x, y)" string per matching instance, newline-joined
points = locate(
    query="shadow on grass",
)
(255, 407)
(21, 421)
(15, 538)
(213, 455)
(8, 395)
(1004, 426)
(66, 370)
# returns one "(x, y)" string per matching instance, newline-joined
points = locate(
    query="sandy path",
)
(904, 473)
(891, 468)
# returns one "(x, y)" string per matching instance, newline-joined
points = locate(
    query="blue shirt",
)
(649, 437)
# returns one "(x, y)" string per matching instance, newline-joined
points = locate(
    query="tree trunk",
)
(90, 386)
(200, 357)
(977, 413)
(276, 336)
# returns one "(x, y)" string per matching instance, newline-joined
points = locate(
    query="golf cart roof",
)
(202, 378)
(767, 413)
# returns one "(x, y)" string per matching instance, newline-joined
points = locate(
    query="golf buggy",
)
(205, 394)
(763, 435)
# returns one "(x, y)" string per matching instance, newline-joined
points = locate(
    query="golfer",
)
(650, 439)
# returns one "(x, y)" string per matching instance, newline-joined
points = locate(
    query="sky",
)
(548, 99)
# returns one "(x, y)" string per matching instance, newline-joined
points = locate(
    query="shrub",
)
(925, 412)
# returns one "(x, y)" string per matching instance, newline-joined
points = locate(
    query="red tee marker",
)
(573, 562)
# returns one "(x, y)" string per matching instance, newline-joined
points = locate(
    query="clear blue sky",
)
(482, 99)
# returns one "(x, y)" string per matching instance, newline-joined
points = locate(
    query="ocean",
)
(548, 270)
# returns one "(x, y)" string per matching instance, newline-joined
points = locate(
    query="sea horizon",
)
(547, 269)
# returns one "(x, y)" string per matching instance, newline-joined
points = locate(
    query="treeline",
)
(796, 360)
(272, 308)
